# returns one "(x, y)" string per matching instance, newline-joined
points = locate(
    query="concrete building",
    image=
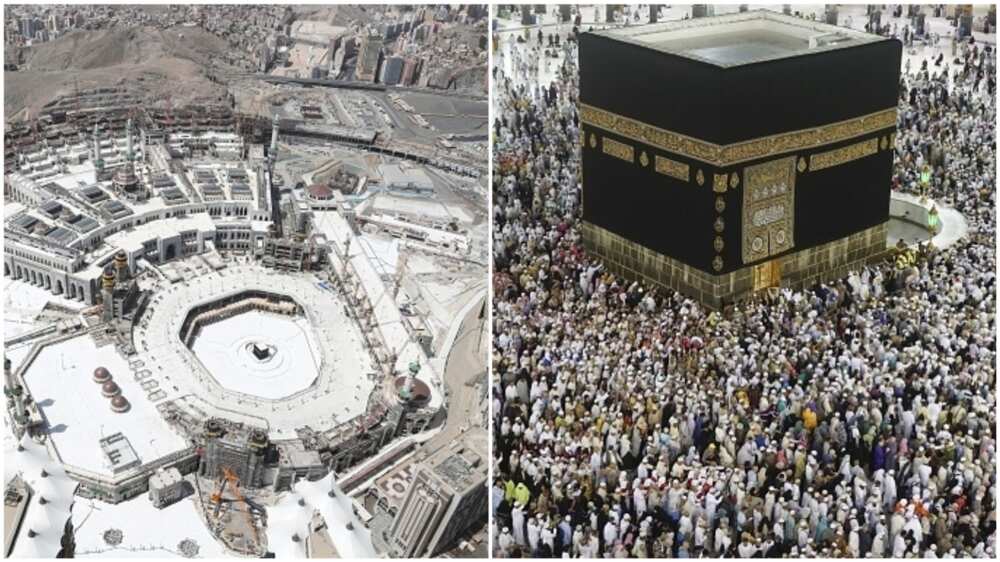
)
(166, 487)
(238, 448)
(411, 71)
(410, 179)
(295, 463)
(67, 255)
(392, 70)
(119, 291)
(289, 254)
(117, 472)
(448, 495)
(264, 57)
(131, 482)
(369, 57)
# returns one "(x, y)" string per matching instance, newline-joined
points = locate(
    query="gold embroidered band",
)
(673, 168)
(618, 149)
(724, 155)
(843, 155)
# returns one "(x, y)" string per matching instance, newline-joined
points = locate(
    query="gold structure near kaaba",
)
(768, 209)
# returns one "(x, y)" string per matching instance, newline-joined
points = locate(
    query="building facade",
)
(238, 448)
(448, 495)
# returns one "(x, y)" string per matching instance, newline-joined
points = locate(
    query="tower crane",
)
(228, 476)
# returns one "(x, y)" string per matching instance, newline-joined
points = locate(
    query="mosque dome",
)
(110, 389)
(119, 404)
(102, 375)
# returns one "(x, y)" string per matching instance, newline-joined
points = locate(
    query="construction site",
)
(231, 317)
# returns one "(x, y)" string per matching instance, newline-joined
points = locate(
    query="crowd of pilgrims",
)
(854, 418)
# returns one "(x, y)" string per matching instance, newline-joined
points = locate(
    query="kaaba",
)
(725, 155)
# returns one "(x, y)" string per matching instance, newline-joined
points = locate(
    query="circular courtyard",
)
(260, 353)
(272, 349)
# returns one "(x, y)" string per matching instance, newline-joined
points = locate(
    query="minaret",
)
(129, 156)
(273, 153)
(408, 384)
(98, 161)
(107, 293)
(15, 397)
(125, 181)
(8, 375)
(121, 267)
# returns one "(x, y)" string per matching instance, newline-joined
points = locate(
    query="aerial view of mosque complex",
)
(244, 281)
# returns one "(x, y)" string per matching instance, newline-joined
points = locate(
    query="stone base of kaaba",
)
(804, 268)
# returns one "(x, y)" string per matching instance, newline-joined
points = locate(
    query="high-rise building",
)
(392, 70)
(421, 33)
(479, 11)
(29, 26)
(264, 56)
(337, 62)
(410, 69)
(448, 496)
(369, 55)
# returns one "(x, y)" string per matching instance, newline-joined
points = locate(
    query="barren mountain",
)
(339, 15)
(81, 50)
(158, 61)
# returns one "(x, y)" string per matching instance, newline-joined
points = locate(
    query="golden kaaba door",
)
(768, 209)
(767, 275)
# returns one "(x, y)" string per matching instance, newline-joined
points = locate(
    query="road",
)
(465, 363)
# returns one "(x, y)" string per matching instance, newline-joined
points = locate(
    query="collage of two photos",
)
(499, 281)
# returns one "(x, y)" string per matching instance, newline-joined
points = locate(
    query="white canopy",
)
(338, 511)
(286, 521)
(47, 521)
(288, 518)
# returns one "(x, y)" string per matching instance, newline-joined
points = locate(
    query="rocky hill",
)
(179, 60)
(82, 50)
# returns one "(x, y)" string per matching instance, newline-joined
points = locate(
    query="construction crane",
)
(228, 476)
